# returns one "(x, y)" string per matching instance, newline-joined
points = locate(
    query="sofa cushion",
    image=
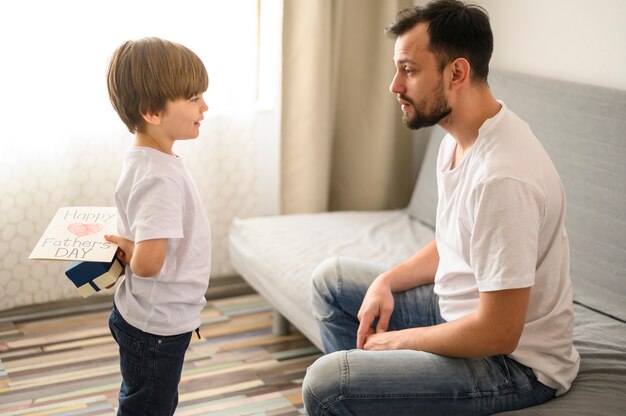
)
(582, 128)
(600, 387)
(277, 254)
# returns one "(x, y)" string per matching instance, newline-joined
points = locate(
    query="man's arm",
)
(378, 302)
(495, 328)
(418, 270)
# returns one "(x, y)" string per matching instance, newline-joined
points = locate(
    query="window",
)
(62, 143)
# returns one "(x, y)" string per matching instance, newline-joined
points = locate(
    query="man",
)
(478, 321)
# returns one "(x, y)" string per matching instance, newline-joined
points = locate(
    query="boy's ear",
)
(152, 117)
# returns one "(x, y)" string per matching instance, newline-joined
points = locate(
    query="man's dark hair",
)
(456, 30)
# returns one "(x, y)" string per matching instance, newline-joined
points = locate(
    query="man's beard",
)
(438, 111)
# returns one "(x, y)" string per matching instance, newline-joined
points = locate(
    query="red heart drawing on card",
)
(82, 230)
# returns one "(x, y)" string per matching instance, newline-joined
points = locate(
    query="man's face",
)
(418, 82)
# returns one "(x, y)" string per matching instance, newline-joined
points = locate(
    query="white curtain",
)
(62, 144)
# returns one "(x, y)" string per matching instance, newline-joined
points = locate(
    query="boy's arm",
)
(148, 257)
(145, 258)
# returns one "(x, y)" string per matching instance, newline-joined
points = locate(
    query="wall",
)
(62, 143)
(574, 40)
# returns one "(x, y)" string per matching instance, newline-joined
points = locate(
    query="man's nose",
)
(396, 87)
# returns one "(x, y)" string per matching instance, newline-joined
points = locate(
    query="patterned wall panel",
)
(37, 179)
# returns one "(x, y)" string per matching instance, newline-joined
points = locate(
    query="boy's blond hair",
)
(144, 74)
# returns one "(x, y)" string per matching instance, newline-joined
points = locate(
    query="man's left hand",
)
(379, 341)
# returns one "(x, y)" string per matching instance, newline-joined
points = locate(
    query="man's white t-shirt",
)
(500, 225)
(156, 198)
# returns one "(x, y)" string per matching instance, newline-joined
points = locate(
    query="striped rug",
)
(66, 363)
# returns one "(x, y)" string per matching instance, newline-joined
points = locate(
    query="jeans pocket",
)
(521, 376)
(170, 356)
(174, 344)
(492, 374)
(131, 356)
(545, 391)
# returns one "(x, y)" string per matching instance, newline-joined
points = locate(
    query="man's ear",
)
(460, 71)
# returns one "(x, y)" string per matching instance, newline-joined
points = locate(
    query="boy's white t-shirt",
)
(500, 225)
(156, 198)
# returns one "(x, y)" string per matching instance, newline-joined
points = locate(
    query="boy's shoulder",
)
(153, 160)
(149, 166)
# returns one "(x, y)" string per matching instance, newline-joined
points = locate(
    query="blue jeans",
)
(151, 366)
(348, 381)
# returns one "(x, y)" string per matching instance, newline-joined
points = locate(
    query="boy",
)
(156, 87)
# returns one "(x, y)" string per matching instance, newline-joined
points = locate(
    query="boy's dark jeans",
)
(151, 366)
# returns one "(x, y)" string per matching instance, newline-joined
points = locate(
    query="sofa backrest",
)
(423, 204)
(583, 129)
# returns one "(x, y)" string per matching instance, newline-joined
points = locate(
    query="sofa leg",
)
(280, 325)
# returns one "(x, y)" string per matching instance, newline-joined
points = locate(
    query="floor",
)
(63, 361)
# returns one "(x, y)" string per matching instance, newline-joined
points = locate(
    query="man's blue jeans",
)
(348, 381)
(151, 366)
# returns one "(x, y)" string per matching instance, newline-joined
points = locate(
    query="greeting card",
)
(77, 234)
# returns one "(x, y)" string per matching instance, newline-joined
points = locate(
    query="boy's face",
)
(180, 120)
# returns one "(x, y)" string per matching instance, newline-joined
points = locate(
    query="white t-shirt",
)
(156, 198)
(500, 225)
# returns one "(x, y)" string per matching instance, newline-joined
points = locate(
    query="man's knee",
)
(324, 283)
(321, 388)
(325, 275)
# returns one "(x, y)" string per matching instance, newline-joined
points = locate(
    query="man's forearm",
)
(495, 328)
(463, 338)
(418, 270)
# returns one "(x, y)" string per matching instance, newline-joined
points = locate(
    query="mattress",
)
(277, 254)
(600, 388)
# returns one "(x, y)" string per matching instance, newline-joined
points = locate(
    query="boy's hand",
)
(125, 247)
(144, 258)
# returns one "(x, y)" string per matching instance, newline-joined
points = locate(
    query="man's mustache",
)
(407, 99)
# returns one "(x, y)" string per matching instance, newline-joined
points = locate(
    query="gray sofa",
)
(583, 128)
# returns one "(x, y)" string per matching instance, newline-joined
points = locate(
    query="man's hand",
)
(494, 328)
(391, 340)
(377, 303)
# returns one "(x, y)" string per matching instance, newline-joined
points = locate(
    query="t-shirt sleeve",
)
(155, 209)
(504, 242)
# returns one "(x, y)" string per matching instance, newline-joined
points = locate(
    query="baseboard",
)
(219, 288)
